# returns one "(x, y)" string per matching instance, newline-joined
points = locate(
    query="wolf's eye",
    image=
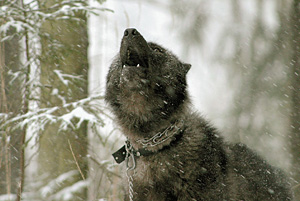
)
(156, 49)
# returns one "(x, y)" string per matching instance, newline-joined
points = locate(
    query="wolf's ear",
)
(186, 67)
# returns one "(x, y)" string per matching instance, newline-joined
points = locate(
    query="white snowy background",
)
(211, 85)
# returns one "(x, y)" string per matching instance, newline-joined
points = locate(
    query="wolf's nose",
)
(130, 32)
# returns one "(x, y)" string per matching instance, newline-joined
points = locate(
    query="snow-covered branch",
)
(68, 115)
(26, 18)
(63, 76)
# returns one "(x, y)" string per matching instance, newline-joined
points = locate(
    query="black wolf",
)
(173, 153)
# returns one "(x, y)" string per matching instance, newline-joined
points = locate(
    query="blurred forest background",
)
(56, 133)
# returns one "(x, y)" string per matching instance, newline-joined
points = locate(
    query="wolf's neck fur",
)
(145, 127)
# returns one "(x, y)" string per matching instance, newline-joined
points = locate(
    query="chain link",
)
(161, 137)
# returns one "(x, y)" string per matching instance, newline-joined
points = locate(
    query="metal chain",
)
(129, 154)
(161, 137)
(130, 183)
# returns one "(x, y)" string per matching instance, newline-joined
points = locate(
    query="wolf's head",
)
(146, 82)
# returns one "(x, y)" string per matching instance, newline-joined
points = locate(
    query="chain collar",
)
(163, 136)
(127, 150)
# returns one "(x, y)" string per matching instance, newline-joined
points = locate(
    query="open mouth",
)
(134, 69)
(132, 58)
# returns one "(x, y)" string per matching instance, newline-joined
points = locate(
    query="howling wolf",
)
(173, 153)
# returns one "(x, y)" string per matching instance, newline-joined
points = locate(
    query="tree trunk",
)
(10, 102)
(64, 52)
(295, 110)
